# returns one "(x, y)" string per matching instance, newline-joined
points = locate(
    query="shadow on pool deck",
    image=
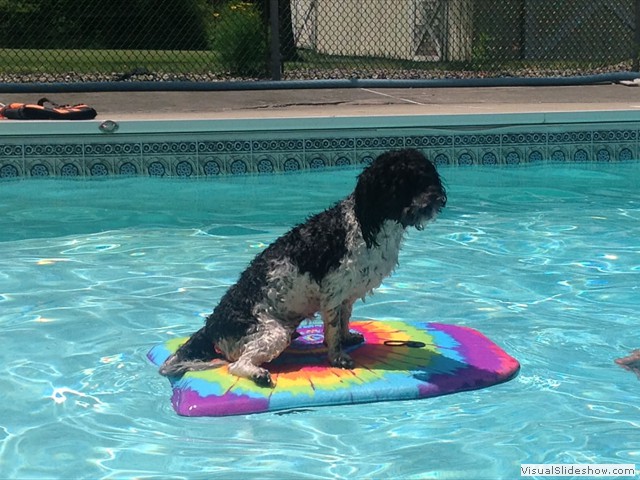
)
(346, 101)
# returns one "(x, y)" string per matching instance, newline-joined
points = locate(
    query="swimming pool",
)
(544, 259)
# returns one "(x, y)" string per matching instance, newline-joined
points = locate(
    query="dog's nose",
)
(437, 199)
(441, 200)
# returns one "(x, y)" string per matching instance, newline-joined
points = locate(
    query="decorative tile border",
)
(193, 155)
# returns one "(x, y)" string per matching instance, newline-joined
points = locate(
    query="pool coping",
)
(16, 128)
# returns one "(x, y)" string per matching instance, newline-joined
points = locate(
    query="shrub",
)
(240, 39)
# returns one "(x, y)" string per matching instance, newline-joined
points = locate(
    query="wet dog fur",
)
(322, 265)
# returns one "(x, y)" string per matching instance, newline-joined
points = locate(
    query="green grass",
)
(23, 61)
(42, 61)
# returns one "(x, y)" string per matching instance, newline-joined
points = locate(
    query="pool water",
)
(545, 260)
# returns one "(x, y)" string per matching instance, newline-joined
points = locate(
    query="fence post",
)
(459, 30)
(636, 39)
(275, 61)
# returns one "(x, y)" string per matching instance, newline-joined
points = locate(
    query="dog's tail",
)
(197, 353)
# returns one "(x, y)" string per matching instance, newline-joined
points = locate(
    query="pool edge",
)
(213, 147)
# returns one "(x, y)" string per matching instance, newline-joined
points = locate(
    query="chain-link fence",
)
(214, 40)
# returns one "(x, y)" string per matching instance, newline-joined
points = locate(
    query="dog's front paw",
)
(341, 360)
(263, 379)
(352, 338)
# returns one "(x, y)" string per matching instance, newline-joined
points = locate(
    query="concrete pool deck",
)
(346, 102)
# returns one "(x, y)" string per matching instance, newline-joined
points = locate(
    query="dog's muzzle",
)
(423, 210)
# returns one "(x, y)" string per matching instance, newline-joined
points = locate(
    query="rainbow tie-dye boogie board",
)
(397, 361)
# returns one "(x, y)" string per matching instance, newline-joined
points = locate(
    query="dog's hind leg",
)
(269, 341)
(197, 353)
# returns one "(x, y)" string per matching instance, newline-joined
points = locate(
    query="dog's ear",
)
(381, 193)
(368, 205)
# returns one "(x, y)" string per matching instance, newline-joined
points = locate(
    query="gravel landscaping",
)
(138, 75)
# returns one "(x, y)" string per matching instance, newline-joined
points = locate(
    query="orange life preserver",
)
(47, 110)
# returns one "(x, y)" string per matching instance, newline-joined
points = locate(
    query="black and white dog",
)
(323, 265)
